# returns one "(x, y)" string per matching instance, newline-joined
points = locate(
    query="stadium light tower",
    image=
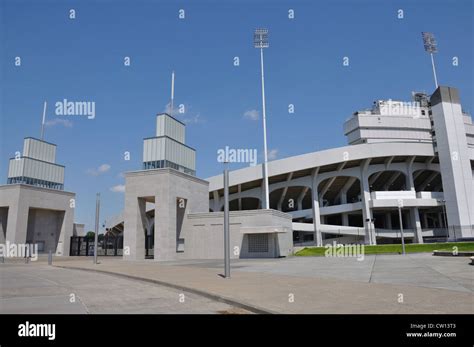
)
(260, 40)
(430, 44)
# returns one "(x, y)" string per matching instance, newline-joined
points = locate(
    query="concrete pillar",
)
(410, 182)
(316, 216)
(416, 225)
(3, 223)
(343, 196)
(17, 222)
(345, 219)
(454, 161)
(165, 228)
(366, 211)
(134, 227)
(64, 241)
(388, 220)
(216, 205)
(239, 201)
(425, 219)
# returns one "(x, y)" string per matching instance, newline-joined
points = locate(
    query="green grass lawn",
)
(397, 248)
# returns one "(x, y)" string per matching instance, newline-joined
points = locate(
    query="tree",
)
(90, 235)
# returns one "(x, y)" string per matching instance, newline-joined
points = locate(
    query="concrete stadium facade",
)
(419, 156)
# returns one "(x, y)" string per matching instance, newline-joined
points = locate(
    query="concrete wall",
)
(79, 229)
(44, 228)
(23, 201)
(204, 234)
(3, 223)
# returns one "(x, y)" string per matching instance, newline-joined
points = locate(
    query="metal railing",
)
(107, 246)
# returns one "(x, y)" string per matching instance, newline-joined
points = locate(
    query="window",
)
(258, 243)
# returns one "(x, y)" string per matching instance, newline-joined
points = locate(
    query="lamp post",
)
(96, 236)
(430, 45)
(400, 205)
(260, 40)
(226, 223)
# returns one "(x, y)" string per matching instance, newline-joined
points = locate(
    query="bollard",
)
(50, 258)
(2, 259)
(27, 255)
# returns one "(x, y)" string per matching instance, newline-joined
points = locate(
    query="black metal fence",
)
(149, 246)
(107, 246)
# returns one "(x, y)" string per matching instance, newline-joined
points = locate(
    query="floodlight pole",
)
(429, 43)
(434, 70)
(261, 41)
(265, 169)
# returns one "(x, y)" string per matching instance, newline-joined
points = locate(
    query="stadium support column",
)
(454, 160)
(414, 212)
(416, 225)
(316, 217)
(388, 220)
(366, 211)
(216, 207)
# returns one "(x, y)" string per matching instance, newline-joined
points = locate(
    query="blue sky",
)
(83, 60)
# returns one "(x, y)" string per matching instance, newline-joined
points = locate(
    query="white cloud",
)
(194, 120)
(59, 121)
(176, 109)
(182, 110)
(100, 170)
(119, 188)
(251, 114)
(272, 154)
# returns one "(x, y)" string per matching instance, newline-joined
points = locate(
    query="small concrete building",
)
(34, 208)
(167, 214)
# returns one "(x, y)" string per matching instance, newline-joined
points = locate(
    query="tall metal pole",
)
(434, 70)
(43, 121)
(265, 152)
(430, 45)
(226, 224)
(172, 94)
(401, 229)
(96, 236)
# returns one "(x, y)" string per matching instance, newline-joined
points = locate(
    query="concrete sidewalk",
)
(276, 293)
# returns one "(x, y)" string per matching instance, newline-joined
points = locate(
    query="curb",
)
(208, 295)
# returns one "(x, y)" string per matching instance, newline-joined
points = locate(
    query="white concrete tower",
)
(168, 149)
(450, 142)
(37, 166)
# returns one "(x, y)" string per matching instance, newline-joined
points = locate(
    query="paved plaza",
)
(39, 288)
(415, 283)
